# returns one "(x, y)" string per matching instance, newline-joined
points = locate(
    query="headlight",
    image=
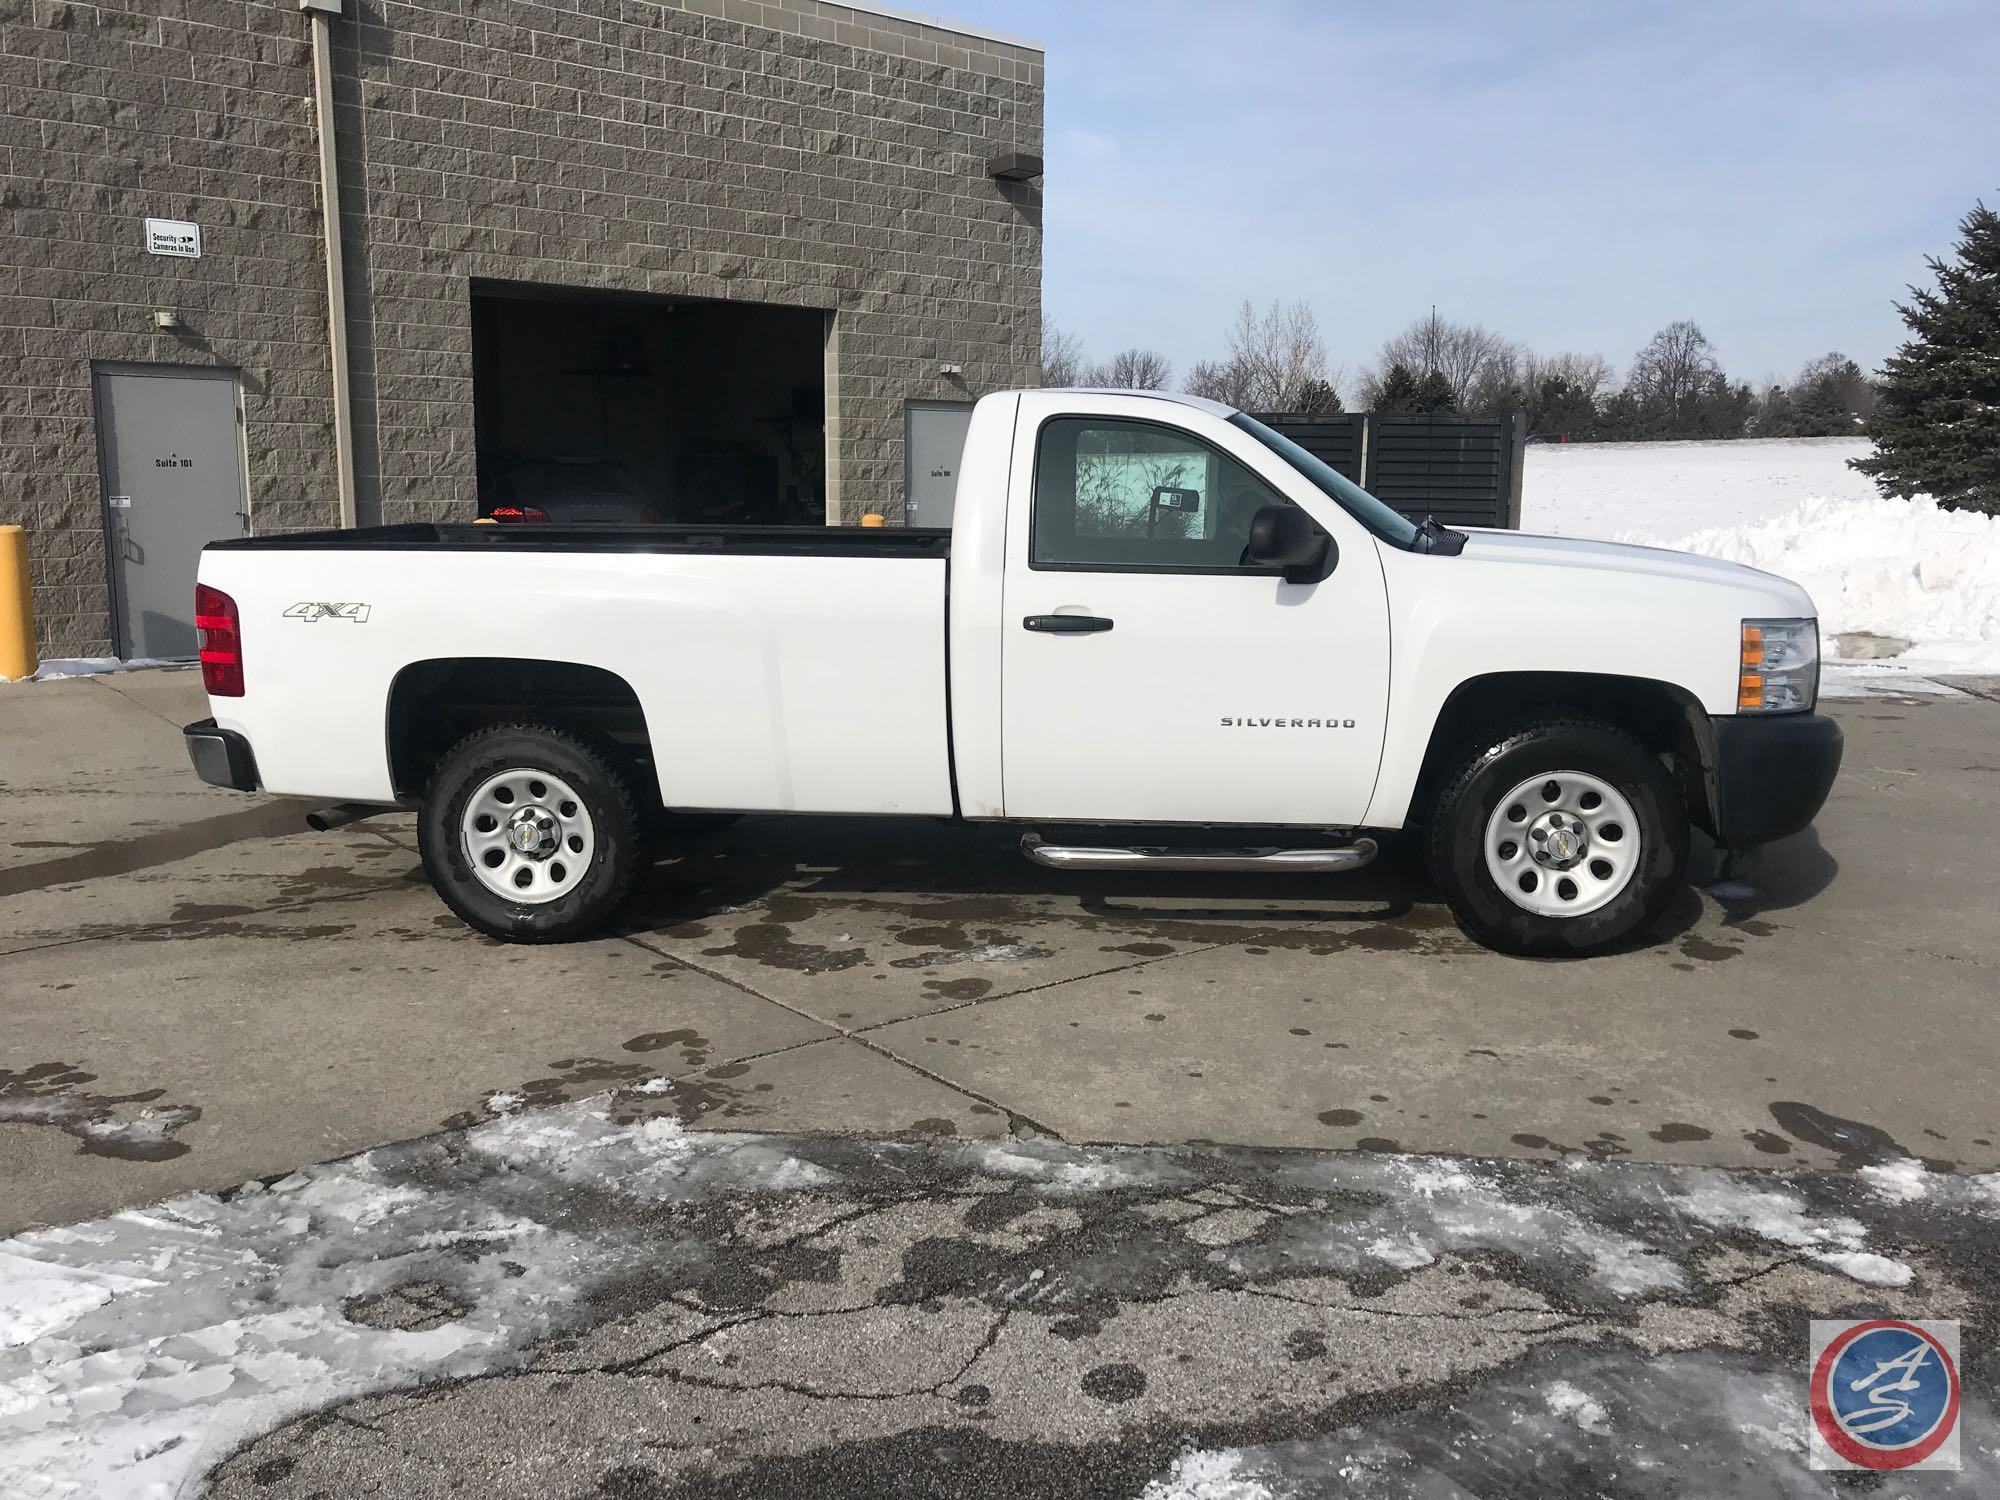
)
(1780, 666)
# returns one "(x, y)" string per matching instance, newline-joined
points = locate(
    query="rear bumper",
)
(1768, 776)
(221, 756)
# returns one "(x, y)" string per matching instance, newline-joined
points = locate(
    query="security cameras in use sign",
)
(173, 237)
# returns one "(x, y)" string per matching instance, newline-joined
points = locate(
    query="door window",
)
(1113, 495)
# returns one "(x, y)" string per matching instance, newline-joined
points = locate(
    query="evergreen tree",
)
(1318, 398)
(1777, 416)
(1562, 407)
(1434, 393)
(1397, 390)
(1937, 425)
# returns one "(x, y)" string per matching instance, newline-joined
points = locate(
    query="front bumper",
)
(221, 756)
(1767, 776)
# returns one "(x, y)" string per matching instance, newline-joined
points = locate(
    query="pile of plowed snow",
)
(1904, 570)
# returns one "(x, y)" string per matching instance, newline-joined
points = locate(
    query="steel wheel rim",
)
(527, 836)
(1563, 844)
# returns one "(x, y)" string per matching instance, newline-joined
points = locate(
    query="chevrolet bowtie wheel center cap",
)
(1557, 842)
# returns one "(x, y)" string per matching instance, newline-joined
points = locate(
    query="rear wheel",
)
(531, 833)
(1560, 837)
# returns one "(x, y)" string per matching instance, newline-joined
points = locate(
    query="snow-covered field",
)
(1792, 506)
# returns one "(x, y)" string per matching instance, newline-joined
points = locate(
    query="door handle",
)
(1066, 624)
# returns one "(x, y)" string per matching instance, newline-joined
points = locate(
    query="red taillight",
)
(216, 628)
(505, 513)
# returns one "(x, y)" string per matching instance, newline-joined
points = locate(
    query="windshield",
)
(1344, 492)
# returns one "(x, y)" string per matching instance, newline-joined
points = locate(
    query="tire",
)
(576, 802)
(1576, 881)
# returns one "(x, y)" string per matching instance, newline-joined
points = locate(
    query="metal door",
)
(170, 456)
(933, 442)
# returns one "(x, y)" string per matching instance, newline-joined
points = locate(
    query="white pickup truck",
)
(1153, 619)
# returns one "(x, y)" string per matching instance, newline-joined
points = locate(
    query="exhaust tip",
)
(325, 819)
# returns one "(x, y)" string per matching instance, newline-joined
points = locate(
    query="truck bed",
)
(517, 537)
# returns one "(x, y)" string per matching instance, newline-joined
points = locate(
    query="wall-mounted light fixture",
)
(167, 320)
(951, 369)
(1014, 166)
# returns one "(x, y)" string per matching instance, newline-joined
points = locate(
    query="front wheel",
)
(531, 833)
(1561, 837)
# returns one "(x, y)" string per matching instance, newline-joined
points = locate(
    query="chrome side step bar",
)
(1271, 861)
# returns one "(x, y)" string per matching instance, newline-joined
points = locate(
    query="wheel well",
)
(435, 704)
(1666, 719)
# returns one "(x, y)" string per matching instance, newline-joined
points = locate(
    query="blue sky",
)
(1573, 175)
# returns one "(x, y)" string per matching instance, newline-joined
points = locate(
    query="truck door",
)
(1149, 676)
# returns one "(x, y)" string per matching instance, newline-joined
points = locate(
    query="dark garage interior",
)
(592, 407)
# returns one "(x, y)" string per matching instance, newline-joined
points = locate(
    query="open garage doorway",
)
(593, 406)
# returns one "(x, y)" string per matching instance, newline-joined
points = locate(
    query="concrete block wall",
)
(786, 151)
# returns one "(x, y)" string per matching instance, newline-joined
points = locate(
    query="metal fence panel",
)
(1466, 471)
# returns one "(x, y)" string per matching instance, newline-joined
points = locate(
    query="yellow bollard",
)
(17, 606)
(871, 519)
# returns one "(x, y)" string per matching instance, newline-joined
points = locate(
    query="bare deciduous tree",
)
(1215, 379)
(1062, 356)
(1589, 375)
(1465, 354)
(1276, 361)
(1676, 368)
(1133, 370)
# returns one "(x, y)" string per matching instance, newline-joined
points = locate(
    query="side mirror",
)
(1284, 537)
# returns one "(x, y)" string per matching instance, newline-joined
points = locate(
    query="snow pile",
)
(1889, 568)
(92, 666)
(1904, 569)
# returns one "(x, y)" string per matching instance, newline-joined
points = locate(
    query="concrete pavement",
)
(197, 990)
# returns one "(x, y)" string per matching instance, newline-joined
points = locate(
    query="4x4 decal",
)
(358, 613)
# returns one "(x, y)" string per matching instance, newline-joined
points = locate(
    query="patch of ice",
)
(36, 1299)
(1840, 679)
(1565, 1400)
(503, 1103)
(1444, 1206)
(653, 1086)
(1057, 1168)
(1861, 1265)
(136, 1350)
(1406, 1252)
(1626, 1267)
(994, 953)
(1430, 1178)
(133, 1384)
(1783, 1219)
(1208, 1474)
(1902, 1181)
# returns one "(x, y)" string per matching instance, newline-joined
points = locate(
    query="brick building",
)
(712, 256)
